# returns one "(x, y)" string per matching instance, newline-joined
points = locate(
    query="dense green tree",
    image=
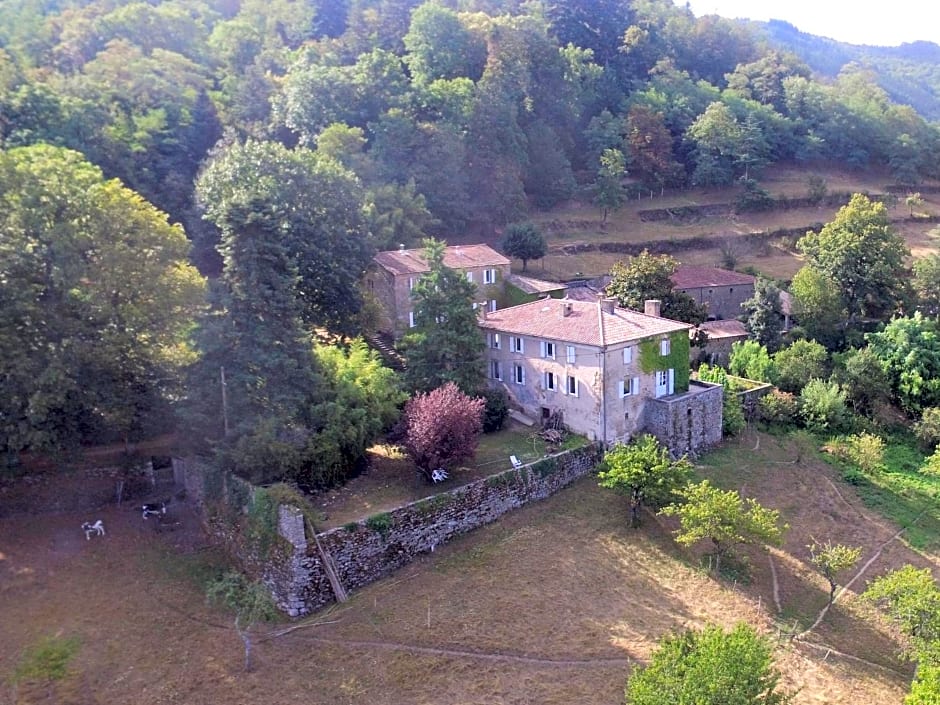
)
(709, 666)
(548, 177)
(96, 298)
(751, 360)
(927, 429)
(609, 193)
(397, 215)
(524, 241)
(311, 206)
(800, 362)
(927, 284)
(911, 597)
(862, 377)
(909, 351)
(822, 407)
(645, 472)
(764, 314)
(717, 138)
(650, 148)
(647, 276)
(445, 344)
(862, 254)
(723, 518)
(818, 307)
(439, 46)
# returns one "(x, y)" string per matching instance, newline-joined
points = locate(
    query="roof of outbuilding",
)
(456, 257)
(729, 328)
(531, 285)
(689, 277)
(587, 322)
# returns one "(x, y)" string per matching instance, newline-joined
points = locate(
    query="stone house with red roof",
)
(721, 291)
(393, 274)
(610, 372)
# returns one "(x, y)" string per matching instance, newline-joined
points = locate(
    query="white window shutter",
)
(672, 381)
(543, 349)
(623, 392)
(635, 385)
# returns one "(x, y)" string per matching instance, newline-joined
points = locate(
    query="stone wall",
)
(687, 423)
(368, 550)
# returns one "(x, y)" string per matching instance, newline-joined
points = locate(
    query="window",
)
(629, 387)
(551, 381)
(662, 378)
(411, 283)
(489, 276)
(495, 372)
(548, 349)
(627, 355)
(470, 277)
(411, 321)
(492, 305)
(571, 354)
(571, 386)
(516, 344)
(518, 374)
(371, 285)
(664, 347)
(494, 341)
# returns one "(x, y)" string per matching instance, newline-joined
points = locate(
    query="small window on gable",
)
(627, 355)
(547, 349)
(664, 347)
(517, 344)
(571, 386)
(494, 341)
(572, 354)
(489, 276)
(495, 372)
(518, 374)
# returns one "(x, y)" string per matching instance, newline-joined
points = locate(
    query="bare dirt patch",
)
(552, 604)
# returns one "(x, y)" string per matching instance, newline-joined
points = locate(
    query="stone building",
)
(721, 291)
(611, 373)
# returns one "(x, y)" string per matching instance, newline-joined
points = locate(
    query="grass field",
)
(555, 603)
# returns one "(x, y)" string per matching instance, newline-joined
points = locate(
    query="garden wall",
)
(365, 551)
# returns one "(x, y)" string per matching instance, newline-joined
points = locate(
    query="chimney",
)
(652, 307)
(566, 308)
(608, 304)
(482, 309)
(401, 247)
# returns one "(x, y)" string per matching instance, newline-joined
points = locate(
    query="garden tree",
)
(723, 518)
(442, 427)
(250, 601)
(709, 666)
(440, 46)
(818, 307)
(931, 466)
(822, 406)
(861, 376)
(717, 139)
(96, 299)
(864, 257)
(798, 363)
(764, 314)
(644, 471)
(927, 284)
(609, 194)
(831, 559)
(909, 352)
(753, 150)
(914, 200)
(496, 410)
(649, 148)
(397, 215)
(647, 276)
(927, 429)
(310, 206)
(445, 344)
(911, 598)
(750, 359)
(523, 241)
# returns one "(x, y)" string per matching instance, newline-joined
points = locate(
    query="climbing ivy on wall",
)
(677, 359)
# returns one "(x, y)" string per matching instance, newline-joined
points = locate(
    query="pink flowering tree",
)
(442, 427)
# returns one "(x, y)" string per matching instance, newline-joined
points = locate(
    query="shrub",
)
(864, 450)
(927, 429)
(931, 465)
(778, 408)
(732, 414)
(796, 365)
(750, 359)
(822, 406)
(442, 427)
(496, 410)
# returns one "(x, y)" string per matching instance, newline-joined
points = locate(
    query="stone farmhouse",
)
(611, 373)
(721, 291)
(393, 274)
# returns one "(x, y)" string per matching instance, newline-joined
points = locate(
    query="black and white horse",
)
(93, 529)
(153, 509)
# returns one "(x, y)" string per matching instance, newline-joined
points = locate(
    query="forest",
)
(191, 187)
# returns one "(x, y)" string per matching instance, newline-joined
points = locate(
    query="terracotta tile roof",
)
(455, 257)
(533, 286)
(687, 277)
(724, 329)
(587, 323)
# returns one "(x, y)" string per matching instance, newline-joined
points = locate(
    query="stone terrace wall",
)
(368, 550)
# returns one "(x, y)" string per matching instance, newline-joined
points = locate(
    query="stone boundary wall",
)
(367, 550)
(750, 397)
